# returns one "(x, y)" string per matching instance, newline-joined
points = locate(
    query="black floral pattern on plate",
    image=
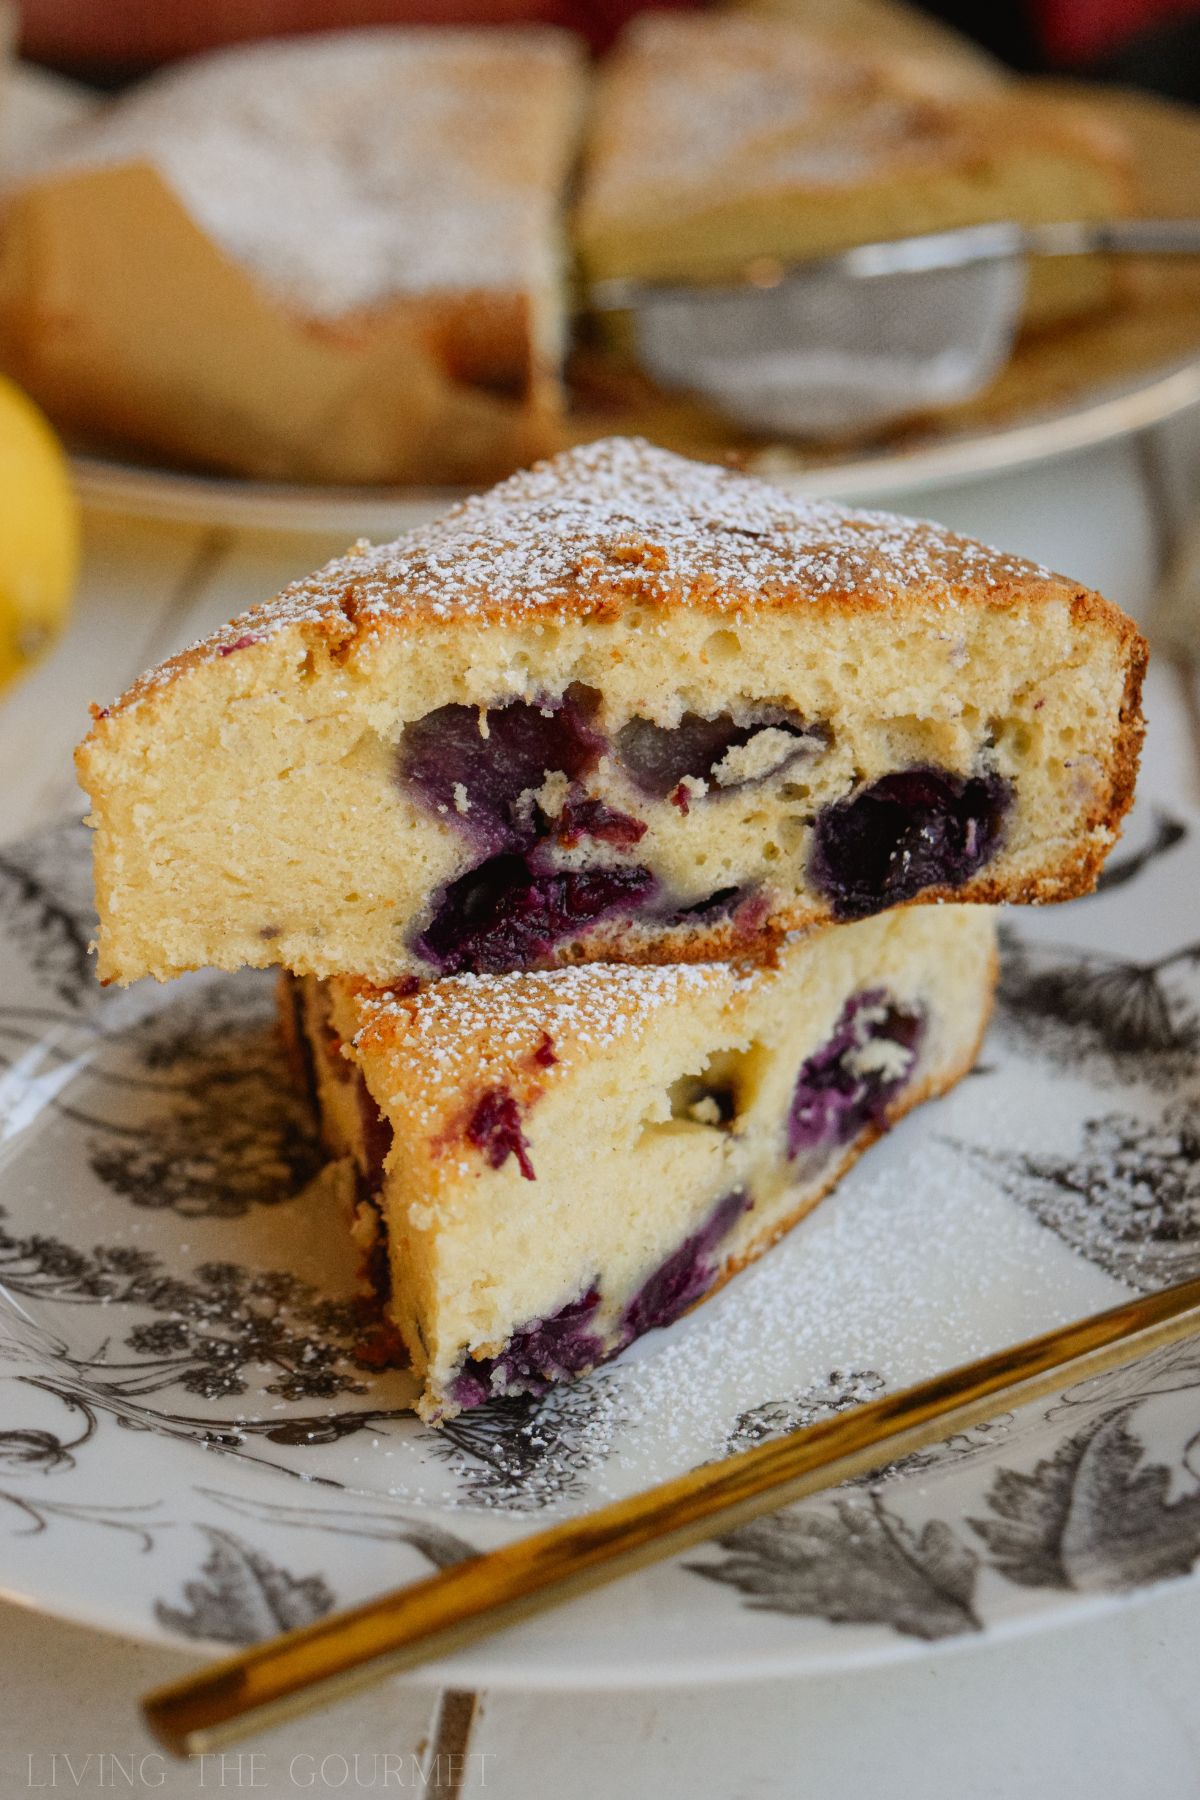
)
(48, 911)
(219, 1319)
(1127, 1199)
(184, 1107)
(1119, 1019)
(523, 1452)
(217, 1126)
(840, 1392)
(1095, 1514)
(242, 1596)
(1168, 831)
(855, 1562)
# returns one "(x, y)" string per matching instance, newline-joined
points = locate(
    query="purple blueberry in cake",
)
(659, 758)
(495, 1128)
(585, 1153)
(583, 817)
(916, 829)
(505, 914)
(569, 1342)
(687, 1273)
(546, 1350)
(695, 651)
(475, 767)
(853, 1078)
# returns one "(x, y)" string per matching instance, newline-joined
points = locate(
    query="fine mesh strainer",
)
(855, 341)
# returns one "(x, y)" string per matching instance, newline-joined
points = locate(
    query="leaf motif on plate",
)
(1091, 1516)
(987, 1439)
(439, 1547)
(856, 1562)
(207, 1121)
(242, 1596)
(841, 1391)
(36, 1515)
(523, 1452)
(1120, 1018)
(46, 905)
(1172, 1370)
(1128, 1199)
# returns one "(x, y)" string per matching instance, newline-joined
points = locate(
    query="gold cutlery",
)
(335, 1656)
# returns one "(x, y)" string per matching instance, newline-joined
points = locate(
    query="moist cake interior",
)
(547, 1166)
(622, 708)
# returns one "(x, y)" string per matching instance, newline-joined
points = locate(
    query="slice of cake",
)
(548, 1165)
(334, 257)
(624, 707)
(720, 140)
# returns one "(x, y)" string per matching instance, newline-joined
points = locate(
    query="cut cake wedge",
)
(722, 141)
(547, 1165)
(624, 707)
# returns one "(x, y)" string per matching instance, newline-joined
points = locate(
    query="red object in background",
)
(132, 35)
(1086, 31)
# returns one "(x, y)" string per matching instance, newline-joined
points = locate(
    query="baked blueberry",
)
(505, 914)
(918, 828)
(852, 1079)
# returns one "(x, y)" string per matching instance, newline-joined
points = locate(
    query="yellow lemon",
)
(39, 533)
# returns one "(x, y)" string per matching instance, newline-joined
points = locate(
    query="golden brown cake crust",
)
(618, 529)
(619, 525)
(343, 169)
(361, 233)
(595, 1017)
(444, 1043)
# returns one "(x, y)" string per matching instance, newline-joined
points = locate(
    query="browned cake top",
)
(432, 1052)
(451, 1029)
(741, 104)
(619, 524)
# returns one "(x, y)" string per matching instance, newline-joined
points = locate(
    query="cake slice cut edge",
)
(623, 707)
(548, 1165)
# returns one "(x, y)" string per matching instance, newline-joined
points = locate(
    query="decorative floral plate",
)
(194, 1446)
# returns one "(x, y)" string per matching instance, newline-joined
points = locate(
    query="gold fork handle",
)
(431, 1618)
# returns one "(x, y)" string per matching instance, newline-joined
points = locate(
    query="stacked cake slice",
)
(548, 1165)
(644, 715)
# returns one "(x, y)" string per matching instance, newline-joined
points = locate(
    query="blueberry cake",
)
(337, 257)
(719, 139)
(543, 1166)
(623, 707)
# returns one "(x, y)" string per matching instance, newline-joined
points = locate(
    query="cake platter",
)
(1093, 415)
(195, 1451)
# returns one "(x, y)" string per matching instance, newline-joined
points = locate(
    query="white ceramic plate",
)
(1094, 418)
(190, 1451)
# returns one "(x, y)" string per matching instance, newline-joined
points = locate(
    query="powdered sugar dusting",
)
(470, 1027)
(695, 111)
(344, 169)
(619, 524)
(746, 104)
(619, 519)
(749, 103)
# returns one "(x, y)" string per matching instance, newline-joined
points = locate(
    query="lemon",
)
(39, 533)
